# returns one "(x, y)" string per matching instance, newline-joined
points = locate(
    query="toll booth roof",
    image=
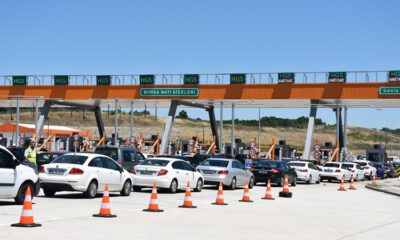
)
(30, 128)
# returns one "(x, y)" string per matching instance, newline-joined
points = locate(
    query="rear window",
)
(215, 163)
(270, 164)
(109, 152)
(154, 162)
(347, 166)
(71, 159)
(362, 164)
(335, 165)
(297, 164)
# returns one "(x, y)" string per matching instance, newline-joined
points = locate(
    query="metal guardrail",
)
(218, 78)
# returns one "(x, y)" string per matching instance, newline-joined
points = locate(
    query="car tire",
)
(127, 188)
(20, 198)
(294, 182)
(48, 192)
(309, 181)
(199, 185)
(318, 180)
(91, 191)
(173, 187)
(233, 184)
(137, 189)
(251, 183)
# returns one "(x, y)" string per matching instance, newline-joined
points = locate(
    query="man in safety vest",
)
(30, 156)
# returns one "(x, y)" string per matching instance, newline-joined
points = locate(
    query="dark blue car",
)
(380, 170)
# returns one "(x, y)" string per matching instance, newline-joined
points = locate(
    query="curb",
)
(381, 190)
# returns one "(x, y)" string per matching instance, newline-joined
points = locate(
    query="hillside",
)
(358, 138)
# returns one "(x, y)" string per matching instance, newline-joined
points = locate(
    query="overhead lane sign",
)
(61, 80)
(389, 91)
(191, 79)
(169, 92)
(286, 77)
(394, 76)
(337, 77)
(146, 79)
(103, 80)
(19, 80)
(238, 78)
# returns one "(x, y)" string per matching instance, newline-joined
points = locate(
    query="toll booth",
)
(284, 148)
(239, 147)
(377, 153)
(327, 150)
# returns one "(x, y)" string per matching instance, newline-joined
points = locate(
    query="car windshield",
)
(335, 165)
(215, 163)
(71, 159)
(295, 164)
(154, 162)
(270, 164)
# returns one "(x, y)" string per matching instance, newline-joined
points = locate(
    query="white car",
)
(356, 171)
(369, 170)
(167, 173)
(84, 172)
(15, 178)
(305, 171)
(334, 171)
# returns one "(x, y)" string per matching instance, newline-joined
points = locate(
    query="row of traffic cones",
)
(342, 187)
(27, 220)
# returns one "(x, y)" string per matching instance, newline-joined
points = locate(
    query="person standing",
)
(30, 156)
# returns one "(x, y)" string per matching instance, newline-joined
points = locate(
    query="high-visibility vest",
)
(31, 156)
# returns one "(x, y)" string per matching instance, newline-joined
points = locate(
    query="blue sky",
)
(107, 37)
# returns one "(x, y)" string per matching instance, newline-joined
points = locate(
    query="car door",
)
(190, 176)
(97, 167)
(180, 173)
(239, 172)
(113, 172)
(314, 172)
(7, 173)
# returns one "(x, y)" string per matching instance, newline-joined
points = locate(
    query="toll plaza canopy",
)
(30, 128)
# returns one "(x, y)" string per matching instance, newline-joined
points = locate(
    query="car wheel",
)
(309, 180)
(20, 198)
(280, 184)
(199, 185)
(91, 191)
(173, 187)
(127, 188)
(233, 184)
(318, 180)
(251, 183)
(294, 183)
(48, 192)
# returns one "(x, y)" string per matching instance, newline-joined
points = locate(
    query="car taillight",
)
(76, 171)
(353, 170)
(337, 170)
(275, 171)
(366, 167)
(133, 171)
(162, 172)
(41, 169)
(303, 170)
(223, 172)
(252, 169)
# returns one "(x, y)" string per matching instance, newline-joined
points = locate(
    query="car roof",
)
(87, 154)
(223, 159)
(166, 159)
(298, 162)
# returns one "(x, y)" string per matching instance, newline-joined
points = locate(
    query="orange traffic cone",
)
(341, 188)
(220, 196)
(285, 191)
(26, 219)
(374, 180)
(246, 194)
(352, 187)
(268, 192)
(105, 210)
(153, 205)
(187, 202)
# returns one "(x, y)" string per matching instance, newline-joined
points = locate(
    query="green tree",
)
(182, 115)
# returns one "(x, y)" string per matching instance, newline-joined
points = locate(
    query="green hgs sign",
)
(61, 80)
(337, 77)
(19, 80)
(394, 76)
(389, 91)
(191, 79)
(286, 77)
(146, 79)
(238, 78)
(169, 92)
(103, 80)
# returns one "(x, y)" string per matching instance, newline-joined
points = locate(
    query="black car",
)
(47, 157)
(275, 171)
(126, 157)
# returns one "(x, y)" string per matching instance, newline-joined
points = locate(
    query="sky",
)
(208, 36)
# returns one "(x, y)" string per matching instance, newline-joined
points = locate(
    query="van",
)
(126, 157)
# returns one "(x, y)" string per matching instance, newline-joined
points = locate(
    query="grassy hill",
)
(358, 138)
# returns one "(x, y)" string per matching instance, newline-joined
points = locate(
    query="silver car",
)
(230, 172)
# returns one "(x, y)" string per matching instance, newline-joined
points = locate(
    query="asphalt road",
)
(314, 212)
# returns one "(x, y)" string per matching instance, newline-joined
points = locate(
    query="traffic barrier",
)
(26, 219)
(153, 205)
(105, 210)
(285, 191)
(220, 196)
(246, 194)
(352, 187)
(374, 180)
(268, 192)
(342, 188)
(187, 201)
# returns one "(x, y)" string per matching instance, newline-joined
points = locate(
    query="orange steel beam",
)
(210, 91)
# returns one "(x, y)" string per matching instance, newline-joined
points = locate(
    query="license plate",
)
(208, 172)
(328, 170)
(56, 171)
(146, 172)
(263, 171)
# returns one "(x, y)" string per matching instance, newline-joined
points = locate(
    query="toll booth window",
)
(6, 160)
